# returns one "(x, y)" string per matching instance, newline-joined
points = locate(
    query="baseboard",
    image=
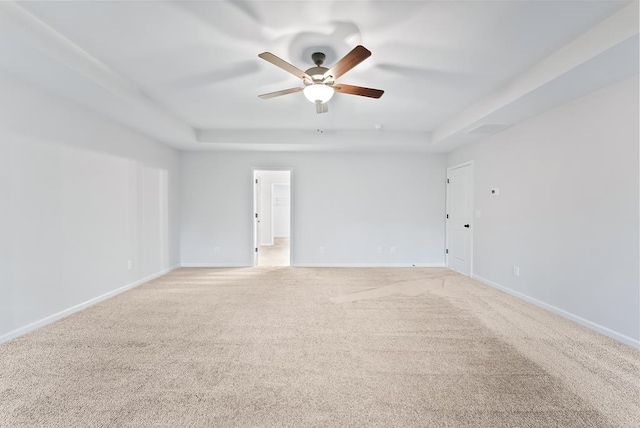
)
(369, 265)
(66, 312)
(214, 265)
(565, 314)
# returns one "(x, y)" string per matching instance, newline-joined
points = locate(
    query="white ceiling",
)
(188, 73)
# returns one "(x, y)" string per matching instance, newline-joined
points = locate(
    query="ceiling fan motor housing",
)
(317, 74)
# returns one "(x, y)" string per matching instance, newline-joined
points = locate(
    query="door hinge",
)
(447, 251)
(447, 215)
(256, 215)
(256, 181)
(256, 249)
(447, 181)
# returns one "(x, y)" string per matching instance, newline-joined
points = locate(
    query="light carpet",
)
(298, 347)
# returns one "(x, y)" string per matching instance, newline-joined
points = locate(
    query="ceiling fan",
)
(320, 82)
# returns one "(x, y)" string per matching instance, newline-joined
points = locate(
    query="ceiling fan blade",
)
(280, 93)
(279, 62)
(321, 108)
(358, 90)
(350, 60)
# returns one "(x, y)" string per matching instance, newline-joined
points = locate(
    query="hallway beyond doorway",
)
(276, 254)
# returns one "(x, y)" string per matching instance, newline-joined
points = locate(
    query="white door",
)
(256, 219)
(459, 218)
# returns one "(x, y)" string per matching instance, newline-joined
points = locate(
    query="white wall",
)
(281, 212)
(348, 203)
(267, 179)
(567, 213)
(81, 196)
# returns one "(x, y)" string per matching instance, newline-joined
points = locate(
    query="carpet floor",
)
(298, 347)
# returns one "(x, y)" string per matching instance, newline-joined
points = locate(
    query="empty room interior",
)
(319, 213)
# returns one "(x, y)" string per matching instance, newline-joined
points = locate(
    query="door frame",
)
(253, 211)
(257, 228)
(471, 220)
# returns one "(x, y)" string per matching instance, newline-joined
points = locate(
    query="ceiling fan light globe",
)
(318, 92)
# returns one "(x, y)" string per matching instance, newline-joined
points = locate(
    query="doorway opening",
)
(460, 215)
(272, 217)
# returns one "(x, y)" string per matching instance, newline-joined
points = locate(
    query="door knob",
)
(466, 225)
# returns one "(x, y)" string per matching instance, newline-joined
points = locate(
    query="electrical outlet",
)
(321, 250)
(392, 250)
(130, 264)
(516, 270)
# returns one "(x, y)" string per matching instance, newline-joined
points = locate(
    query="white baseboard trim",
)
(634, 343)
(66, 312)
(369, 265)
(331, 265)
(214, 265)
